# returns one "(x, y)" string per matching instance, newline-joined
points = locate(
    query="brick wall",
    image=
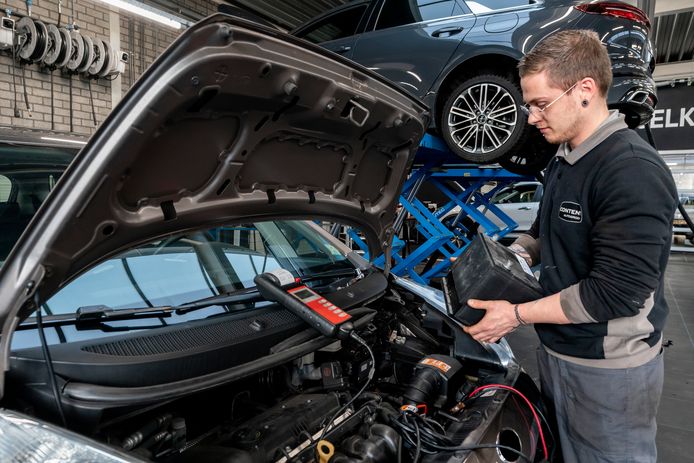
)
(50, 109)
(145, 40)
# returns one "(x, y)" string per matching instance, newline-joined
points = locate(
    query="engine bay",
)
(411, 387)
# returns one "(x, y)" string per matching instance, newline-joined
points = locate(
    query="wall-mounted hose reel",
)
(77, 53)
(60, 48)
(32, 39)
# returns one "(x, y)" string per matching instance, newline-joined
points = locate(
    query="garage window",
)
(398, 13)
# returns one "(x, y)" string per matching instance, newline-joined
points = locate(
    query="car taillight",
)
(618, 10)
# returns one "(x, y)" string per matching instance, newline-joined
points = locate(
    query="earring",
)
(584, 103)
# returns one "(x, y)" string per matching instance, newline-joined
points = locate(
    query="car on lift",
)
(460, 57)
(140, 319)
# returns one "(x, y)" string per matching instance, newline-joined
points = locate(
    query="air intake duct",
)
(434, 378)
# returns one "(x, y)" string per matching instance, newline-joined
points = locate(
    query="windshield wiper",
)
(234, 297)
(94, 317)
(340, 273)
(252, 294)
(91, 317)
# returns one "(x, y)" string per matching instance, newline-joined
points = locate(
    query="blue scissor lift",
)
(445, 233)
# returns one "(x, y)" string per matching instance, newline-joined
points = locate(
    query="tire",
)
(531, 157)
(480, 121)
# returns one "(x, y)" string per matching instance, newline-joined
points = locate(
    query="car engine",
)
(403, 396)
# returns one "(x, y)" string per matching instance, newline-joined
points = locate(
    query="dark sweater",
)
(604, 230)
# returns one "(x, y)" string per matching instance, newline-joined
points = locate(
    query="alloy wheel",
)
(482, 118)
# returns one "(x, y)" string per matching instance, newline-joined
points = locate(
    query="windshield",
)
(192, 266)
(27, 175)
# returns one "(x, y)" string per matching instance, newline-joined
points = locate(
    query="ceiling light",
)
(64, 140)
(148, 12)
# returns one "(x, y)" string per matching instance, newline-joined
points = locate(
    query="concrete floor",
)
(676, 414)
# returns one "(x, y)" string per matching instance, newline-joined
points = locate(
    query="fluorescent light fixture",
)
(64, 140)
(672, 163)
(148, 12)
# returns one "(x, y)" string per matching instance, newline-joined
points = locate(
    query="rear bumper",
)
(635, 97)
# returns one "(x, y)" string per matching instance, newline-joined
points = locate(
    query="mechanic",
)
(602, 236)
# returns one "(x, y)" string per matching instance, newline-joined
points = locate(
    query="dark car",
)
(170, 301)
(31, 162)
(460, 57)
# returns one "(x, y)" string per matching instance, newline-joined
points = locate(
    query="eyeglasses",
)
(530, 109)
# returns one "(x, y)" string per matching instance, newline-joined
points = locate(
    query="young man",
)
(603, 237)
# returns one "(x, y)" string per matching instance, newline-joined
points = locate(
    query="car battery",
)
(487, 270)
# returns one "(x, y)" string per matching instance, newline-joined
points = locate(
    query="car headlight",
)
(28, 440)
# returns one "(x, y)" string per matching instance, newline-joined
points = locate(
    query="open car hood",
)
(233, 122)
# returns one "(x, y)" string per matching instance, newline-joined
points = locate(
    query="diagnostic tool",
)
(320, 305)
(280, 286)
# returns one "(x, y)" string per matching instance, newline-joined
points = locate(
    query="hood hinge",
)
(387, 249)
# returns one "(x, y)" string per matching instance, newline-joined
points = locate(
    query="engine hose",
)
(424, 384)
(412, 324)
(372, 397)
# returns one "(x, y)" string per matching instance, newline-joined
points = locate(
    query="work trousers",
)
(602, 414)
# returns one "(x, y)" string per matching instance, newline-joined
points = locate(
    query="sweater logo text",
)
(570, 212)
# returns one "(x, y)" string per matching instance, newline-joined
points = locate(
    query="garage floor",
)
(676, 415)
